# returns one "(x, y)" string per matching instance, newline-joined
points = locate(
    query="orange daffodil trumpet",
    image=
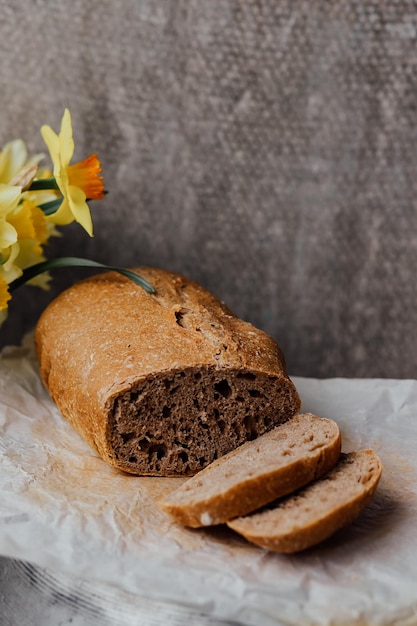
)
(34, 201)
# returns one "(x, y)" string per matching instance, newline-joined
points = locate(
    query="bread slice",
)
(160, 384)
(257, 472)
(317, 511)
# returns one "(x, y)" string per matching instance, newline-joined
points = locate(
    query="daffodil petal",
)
(8, 265)
(66, 141)
(8, 234)
(52, 143)
(13, 273)
(9, 197)
(36, 159)
(30, 253)
(61, 177)
(63, 216)
(24, 177)
(12, 159)
(80, 208)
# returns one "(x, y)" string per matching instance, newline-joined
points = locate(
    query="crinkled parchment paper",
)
(63, 508)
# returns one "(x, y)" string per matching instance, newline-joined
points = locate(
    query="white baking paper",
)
(64, 508)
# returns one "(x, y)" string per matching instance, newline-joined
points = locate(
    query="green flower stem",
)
(44, 183)
(72, 261)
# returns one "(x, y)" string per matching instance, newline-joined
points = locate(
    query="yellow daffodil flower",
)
(31, 231)
(4, 296)
(29, 222)
(34, 200)
(9, 199)
(78, 182)
(14, 159)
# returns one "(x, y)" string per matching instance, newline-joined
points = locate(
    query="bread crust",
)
(317, 511)
(105, 341)
(258, 472)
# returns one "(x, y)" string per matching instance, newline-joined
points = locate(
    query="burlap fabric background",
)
(266, 148)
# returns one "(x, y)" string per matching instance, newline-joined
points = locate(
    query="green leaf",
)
(45, 183)
(49, 208)
(72, 261)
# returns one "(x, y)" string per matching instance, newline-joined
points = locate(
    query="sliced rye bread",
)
(317, 511)
(259, 471)
(160, 384)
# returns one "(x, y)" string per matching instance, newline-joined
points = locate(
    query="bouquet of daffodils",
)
(35, 201)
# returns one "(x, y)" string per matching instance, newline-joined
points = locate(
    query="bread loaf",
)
(316, 511)
(275, 464)
(160, 384)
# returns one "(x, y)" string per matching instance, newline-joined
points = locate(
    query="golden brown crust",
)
(105, 337)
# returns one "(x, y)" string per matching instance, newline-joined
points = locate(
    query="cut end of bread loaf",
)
(178, 422)
(314, 513)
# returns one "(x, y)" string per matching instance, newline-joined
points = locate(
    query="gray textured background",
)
(265, 148)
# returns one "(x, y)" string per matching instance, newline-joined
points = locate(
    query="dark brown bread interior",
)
(160, 384)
